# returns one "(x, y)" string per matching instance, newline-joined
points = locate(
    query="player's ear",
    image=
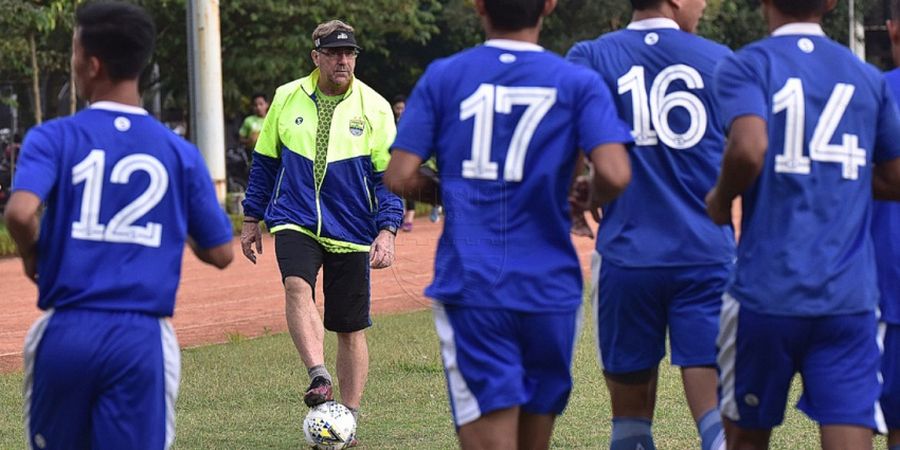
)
(549, 6)
(479, 8)
(94, 66)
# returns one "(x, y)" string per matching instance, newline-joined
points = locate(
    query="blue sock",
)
(712, 435)
(631, 433)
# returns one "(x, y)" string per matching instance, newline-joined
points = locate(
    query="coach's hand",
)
(382, 253)
(250, 234)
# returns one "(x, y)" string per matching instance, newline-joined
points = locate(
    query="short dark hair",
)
(801, 9)
(402, 98)
(513, 15)
(121, 35)
(257, 95)
(895, 9)
(640, 5)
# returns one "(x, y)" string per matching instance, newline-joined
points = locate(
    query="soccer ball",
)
(329, 426)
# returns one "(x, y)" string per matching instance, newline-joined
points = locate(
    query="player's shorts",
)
(634, 306)
(837, 357)
(890, 371)
(100, 380)
(496, 359)
(345, 277)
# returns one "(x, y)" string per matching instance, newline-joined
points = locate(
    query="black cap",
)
(337, 38)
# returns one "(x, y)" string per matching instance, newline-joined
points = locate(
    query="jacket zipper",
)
(278, 188)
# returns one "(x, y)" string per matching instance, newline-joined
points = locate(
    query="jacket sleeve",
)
(266, 162)
(390, 207)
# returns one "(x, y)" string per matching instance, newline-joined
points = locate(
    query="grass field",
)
(247, 395)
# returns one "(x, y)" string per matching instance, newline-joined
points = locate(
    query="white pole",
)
(851, 36)
(205, 67)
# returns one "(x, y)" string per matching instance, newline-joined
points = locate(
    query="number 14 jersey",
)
(806, 247)
(505, 121)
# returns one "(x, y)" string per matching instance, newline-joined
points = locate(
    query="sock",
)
(355, 412)
(712, 435)
(631, 433)
(318, 371)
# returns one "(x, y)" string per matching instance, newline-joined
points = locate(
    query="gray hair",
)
(324, 29)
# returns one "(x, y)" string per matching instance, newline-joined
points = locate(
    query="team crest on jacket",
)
(357, 126)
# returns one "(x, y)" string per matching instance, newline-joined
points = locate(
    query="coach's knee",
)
(297, 289)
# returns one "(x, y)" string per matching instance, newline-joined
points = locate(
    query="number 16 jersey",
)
(663, 78)
(505, 121)
(806, 247)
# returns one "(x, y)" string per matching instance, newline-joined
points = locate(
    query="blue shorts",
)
(497, 359)
(100, 380)
(837, 358)
(634, 307)
(890, 371)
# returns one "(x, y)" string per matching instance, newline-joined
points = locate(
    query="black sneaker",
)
(318, 392)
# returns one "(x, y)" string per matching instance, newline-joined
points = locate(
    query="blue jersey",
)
(886, 233)
(505, 121)
(806, 246)
(664, 80)
(121, 194)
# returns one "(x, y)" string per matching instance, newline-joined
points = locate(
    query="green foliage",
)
(7, 246)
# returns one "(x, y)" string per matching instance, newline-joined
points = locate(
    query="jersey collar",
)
(513, 46)
(653, 24)
(799, 28)
(118, 107)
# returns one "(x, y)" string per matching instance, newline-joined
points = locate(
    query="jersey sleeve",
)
(244, 131)
(887, 139)
(418, 126)
(208, 224)
(598, 119)
(580, 54)
(38, 164)
(738, 91)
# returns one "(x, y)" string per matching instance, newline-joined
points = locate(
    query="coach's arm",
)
(22, 222)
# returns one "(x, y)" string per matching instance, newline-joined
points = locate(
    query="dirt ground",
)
(244, 299)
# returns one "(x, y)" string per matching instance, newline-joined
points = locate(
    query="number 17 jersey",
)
(505, 121)
(806, 247)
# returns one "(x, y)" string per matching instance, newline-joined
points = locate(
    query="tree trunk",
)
(73, 101)
(35, 81)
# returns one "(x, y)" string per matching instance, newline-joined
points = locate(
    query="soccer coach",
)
(316, 181)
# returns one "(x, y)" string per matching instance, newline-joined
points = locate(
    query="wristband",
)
(390, 229)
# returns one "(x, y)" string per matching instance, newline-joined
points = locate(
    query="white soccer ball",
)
(329, 426)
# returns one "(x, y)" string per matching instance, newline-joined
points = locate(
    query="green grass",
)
(247, 395)
(7, 246)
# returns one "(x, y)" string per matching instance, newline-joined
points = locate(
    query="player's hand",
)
(382, 253)
(719, 210)
(581, 199)
(250, 235)
(29, 262)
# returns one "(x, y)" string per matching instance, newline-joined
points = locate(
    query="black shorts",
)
(346, 278)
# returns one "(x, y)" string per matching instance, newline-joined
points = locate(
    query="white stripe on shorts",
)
(465, 405)
(32, 341)
(596, 261)
(172, 372)
(879, 414)
(727, 343)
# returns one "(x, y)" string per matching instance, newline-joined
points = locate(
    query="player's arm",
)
(612, 171)
(23, 223)
(404, 178)
(219, 256)
(743, 160)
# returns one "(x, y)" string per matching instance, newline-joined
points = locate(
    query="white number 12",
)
(481, 105)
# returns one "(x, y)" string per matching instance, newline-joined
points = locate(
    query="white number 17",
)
(482, 105)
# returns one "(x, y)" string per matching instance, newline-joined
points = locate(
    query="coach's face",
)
(336, 66)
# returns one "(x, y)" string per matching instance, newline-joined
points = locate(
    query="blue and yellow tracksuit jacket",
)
(351, 205)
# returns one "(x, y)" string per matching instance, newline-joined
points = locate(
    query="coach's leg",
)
(493, 431)
(304, 322)
(352, 366)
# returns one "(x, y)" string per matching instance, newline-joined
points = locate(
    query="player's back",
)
(806, 247)
(663, 77)
(505, 123)
(121, 194)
